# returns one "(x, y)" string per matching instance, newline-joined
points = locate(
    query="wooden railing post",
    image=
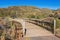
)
(54, 26)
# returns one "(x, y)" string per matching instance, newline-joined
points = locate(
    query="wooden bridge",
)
(47, 24)
(38, 26)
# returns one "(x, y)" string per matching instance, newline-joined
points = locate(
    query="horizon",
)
(50, 4)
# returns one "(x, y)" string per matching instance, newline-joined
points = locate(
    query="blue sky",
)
(51, 4)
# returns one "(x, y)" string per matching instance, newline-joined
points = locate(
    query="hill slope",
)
(25, 11)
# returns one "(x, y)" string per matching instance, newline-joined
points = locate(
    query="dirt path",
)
(34, 31)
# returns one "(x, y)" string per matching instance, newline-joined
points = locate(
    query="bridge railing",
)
(47, 25)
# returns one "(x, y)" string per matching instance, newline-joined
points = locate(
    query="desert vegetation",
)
(10, 30)
(31, 12)
(24, 11)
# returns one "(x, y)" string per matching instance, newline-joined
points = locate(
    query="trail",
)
(35, 32)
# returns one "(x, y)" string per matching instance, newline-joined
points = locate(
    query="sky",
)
(50, 4)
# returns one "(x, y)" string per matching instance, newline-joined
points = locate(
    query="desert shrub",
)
(57, 23)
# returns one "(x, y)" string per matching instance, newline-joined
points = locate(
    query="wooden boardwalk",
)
(35, 32)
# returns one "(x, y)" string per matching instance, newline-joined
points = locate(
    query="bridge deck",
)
(35, 32)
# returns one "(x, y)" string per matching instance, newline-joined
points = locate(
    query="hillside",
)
(29, 12)
(25, 11)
